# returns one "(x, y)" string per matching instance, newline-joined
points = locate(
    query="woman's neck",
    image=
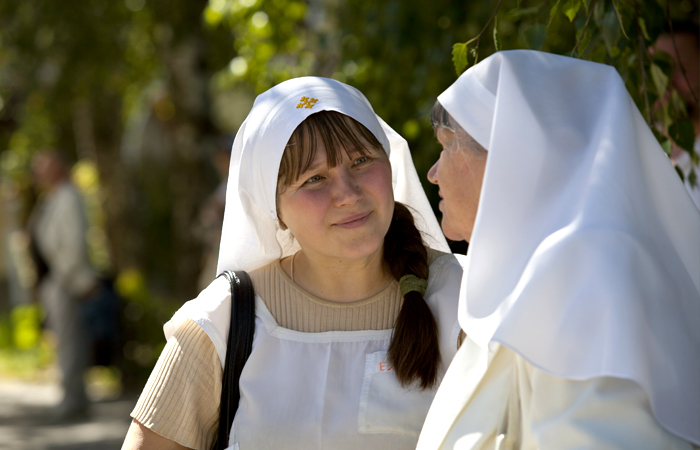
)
(335, 280)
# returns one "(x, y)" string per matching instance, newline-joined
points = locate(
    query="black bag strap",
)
(238, 348)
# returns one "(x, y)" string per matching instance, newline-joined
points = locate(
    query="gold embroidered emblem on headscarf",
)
(307, 102)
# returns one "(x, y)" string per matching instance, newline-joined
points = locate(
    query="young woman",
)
(355, 303)
(581, 293)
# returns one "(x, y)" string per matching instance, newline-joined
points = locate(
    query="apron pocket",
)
(385, 406)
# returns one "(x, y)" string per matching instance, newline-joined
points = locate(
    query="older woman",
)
(356, 306)
(580, 296)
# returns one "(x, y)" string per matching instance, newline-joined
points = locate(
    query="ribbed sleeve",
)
(181, 398)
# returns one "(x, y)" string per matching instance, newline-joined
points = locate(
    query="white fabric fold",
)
(585, 254)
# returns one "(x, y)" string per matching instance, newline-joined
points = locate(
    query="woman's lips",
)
(354, 221)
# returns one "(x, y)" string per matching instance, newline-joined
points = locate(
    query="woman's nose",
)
(432, 173)
(346, 188)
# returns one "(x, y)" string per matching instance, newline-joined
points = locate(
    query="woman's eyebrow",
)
(318, 165)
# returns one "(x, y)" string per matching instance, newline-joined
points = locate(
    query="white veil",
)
(585, 254)
(251, 237)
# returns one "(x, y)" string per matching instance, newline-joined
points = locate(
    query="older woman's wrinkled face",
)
(459, 172)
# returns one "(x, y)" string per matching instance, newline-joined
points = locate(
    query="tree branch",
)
(585, 26)
(477, 38)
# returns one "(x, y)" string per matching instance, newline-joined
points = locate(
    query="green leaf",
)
(599, 12)
(667, 145)
(693, 178)
(619, 19)
(585, 40)
(553, 12)
(611, 30)
(536, 36)
(683, 134)
(459, 57)
(643, 27)
(496, 43)
(517, 12)
(571, 8)
(599, 53)
(678, 105)
(659, 78)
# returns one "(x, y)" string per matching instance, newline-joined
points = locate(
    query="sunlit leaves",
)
(571, 8)
(621, 33)
(459, 57)
(269, 36)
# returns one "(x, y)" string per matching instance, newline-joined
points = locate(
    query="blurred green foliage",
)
(23, 349)
(620, 33)
(25, 321)
(139, 92)
(143, 314)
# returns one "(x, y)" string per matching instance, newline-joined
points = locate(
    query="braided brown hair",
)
(414, 349)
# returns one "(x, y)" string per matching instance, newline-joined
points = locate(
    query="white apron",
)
(328, 390)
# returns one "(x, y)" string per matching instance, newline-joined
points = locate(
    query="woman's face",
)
(343, 212)
(459, 172)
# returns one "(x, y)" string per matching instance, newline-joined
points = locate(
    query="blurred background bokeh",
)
(143, 97)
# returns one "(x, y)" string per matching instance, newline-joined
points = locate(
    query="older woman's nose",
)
(432, 173)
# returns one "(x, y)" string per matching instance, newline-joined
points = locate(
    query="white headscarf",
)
(585, 254)
(251, 236)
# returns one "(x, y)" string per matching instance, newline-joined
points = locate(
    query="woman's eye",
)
(313, 179)
(361, 160)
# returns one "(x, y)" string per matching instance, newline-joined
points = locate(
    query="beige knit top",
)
(181, 398)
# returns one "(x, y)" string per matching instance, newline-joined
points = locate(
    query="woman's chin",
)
(453, 233)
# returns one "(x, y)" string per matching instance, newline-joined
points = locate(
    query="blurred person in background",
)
(57, 226)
